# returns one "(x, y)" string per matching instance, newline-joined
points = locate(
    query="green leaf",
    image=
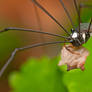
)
(41, 75)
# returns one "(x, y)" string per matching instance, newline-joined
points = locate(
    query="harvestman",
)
(77, 37)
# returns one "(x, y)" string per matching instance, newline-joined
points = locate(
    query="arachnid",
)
(77, 37)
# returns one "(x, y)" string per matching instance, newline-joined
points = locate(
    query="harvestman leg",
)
(35, 45)
(46, 12)
(30, 46)
(67, 13)
(27, 47)
(76, 6)
(30, 30)
(89, 26)
(78, 12)
(42, 37)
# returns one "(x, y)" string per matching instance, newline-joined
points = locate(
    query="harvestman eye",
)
(67, 39)
(75, 35)
(84, 36)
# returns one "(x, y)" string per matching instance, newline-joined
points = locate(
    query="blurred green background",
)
(36, 72)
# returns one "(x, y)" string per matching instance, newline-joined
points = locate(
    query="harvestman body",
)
(77, 37)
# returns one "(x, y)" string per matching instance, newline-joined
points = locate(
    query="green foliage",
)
(38, 76)
(86, 14)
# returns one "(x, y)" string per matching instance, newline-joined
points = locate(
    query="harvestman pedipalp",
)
(76, 41)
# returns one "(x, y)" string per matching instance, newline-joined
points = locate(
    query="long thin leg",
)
(41, 7)
(89, 26)
(42, 37)
(27, 47)
(78, 12)
(79, 19)
(68, 15)
(38, 17)
(76, 6)
(30, 30)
